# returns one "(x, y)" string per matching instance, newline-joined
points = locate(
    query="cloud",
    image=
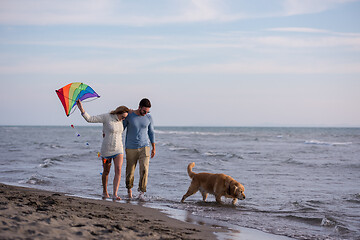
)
(299, 7)
(267, 67)
(312, 38)
(164, 66)
(309, 42)
(108, 65)
(269, 38)
(43, 12)
(225, 53)
(144, 13)
(312, 31)
(105, 12)
(299, 30)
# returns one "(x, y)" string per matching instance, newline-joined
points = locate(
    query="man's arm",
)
(152, 136)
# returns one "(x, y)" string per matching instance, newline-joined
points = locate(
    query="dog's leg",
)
(234, 201)
(204, 195)
(192, 190)
(218, 198)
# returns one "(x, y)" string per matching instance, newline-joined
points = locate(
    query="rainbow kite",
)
(69, 94)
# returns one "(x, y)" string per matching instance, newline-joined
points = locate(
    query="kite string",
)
(75, 106)
(89, 100)
(73, 110)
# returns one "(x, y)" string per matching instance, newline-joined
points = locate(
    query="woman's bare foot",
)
(105, 196)
(129, 193)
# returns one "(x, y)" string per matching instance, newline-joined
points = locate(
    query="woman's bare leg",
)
(118, 161)
(105, 176)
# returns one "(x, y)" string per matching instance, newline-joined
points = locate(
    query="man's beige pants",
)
(133, 156)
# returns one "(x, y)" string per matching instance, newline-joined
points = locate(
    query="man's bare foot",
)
(105, 196)
(141, 196)
(129, 193)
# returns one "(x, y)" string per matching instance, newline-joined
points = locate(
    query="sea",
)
(300, 183)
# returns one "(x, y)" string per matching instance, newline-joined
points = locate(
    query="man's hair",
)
(145, 103)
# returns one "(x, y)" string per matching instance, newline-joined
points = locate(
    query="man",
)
(140, 131)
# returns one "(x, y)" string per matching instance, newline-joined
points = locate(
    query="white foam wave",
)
(35, 180)
(327, 222)
(47, 163)
(190, 133)
(183, 149)
(317, 142)
(221, 155)
(214, 154)
(178, 149)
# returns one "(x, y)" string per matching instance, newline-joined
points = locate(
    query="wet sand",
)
(27, 213)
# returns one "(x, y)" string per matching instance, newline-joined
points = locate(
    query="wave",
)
(316, 164)
(173, 147)
(354, 198)
(222, 155)
(198, 133)
(47, 162)
(299, 207)
(327, 222)
(317, 142)
(14, 150)
(253, 153)
(316, 221)
(184, 149)
(292, 161)
(35, 180)
(308, 220)
(43, 145)
(307, 164)
(177, 148)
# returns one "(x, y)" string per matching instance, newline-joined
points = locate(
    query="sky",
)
(200, 62)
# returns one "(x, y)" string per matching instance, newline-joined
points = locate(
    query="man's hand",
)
(153, 151)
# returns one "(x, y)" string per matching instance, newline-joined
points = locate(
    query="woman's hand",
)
(80, 106)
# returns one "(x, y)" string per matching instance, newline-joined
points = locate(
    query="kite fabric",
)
(72, 92)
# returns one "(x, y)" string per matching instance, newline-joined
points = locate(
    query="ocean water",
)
(302, 183)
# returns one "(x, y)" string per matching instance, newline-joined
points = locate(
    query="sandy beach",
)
(35, 214)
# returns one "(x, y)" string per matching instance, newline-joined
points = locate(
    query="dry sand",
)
(35, 214)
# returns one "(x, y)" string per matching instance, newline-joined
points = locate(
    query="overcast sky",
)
(200, 62)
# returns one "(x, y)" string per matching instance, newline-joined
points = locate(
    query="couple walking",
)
(140, 131)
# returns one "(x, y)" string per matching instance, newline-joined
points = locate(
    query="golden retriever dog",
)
(216, 184)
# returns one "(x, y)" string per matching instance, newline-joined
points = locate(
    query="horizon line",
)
(197, 126)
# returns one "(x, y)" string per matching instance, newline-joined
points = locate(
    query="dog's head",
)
(236, 190)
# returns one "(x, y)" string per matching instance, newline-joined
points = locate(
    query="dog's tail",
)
(189, 169)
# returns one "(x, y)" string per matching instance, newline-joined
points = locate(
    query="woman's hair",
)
(120, 110)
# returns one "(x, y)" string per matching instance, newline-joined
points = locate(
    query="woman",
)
(112, 146)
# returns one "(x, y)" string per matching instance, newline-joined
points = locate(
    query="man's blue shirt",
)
(140, 129)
